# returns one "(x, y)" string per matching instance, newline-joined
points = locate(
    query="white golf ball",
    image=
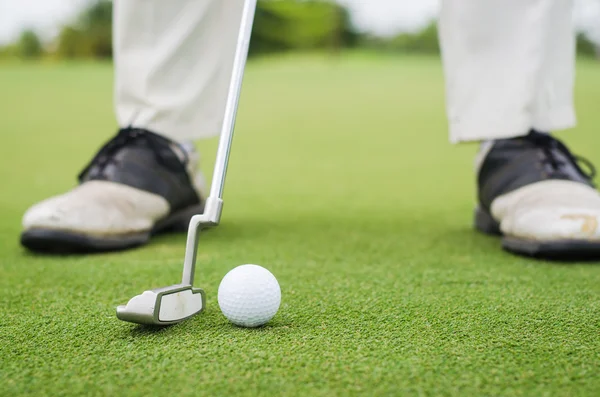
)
(249, 296)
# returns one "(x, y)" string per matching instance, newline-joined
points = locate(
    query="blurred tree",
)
(587, 48)
(29, 45)
(300, 25)
(96, 22)
(70, 43)
(344, 34)
(90, 36)
(8, 51)
(425, 41)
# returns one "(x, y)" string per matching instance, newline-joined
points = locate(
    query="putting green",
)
(343, 184)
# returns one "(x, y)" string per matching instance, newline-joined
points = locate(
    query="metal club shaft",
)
(214, 202)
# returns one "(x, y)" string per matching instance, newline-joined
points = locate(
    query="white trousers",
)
(508, 65)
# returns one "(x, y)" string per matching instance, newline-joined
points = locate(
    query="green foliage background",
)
(280, 26)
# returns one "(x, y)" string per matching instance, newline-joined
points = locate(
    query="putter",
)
(175, 303)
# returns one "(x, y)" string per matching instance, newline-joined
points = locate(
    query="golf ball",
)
(249, 296)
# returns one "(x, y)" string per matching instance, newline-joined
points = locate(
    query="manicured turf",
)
(343, 184)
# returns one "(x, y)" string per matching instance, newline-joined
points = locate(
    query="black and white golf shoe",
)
(137, 185)
(535, 194)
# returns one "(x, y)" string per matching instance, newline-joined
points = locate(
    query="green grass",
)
(342, 183)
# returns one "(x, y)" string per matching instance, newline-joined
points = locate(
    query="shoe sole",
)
(564, 250)
(65, 242)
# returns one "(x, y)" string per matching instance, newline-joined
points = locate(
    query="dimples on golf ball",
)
(249, 296)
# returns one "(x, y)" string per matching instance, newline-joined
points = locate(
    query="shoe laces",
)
(161, 148)
(551, 146)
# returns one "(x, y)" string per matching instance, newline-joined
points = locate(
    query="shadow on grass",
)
(571, 260)
(211, 324)
(151, 330)
(159, 238)
(463, 241)
(474, 244)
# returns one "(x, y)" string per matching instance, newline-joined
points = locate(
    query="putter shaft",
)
(214, 202)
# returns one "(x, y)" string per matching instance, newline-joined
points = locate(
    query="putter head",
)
(163, 306)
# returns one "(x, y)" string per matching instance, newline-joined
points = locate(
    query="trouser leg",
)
(509, 67)
(173, 61)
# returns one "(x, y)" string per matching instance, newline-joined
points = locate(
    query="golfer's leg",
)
(509, 66)
(554, 104)
(173, 61)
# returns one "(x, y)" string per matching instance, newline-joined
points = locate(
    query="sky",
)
(384, 17)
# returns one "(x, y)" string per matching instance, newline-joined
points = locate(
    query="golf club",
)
(175, 303)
